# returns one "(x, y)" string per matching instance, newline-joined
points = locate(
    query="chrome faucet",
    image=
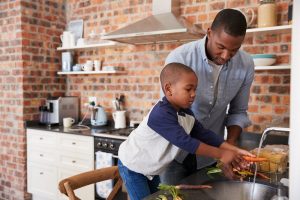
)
(268, 130)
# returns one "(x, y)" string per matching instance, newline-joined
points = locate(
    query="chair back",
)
(68, 185)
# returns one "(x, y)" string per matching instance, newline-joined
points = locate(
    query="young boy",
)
(169, 127)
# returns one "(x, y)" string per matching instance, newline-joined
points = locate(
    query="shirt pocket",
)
(233, 87)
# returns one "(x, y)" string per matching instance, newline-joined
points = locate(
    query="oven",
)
(106, 143)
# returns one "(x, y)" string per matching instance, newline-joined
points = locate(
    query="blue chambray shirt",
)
(233, 90)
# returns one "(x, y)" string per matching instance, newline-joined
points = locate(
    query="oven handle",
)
(114, 156)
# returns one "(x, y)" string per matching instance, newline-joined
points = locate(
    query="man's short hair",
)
(232, 21)
(171, 73)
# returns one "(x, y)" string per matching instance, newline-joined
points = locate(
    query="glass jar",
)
(267, 13)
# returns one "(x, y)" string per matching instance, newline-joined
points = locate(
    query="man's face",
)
(221, 46)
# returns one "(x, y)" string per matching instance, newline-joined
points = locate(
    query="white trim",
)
(103, 43)
(294, 173)
(91, 72)
(274, 67)
(272, 28)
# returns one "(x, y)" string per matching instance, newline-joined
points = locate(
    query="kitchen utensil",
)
(98, 117)
(68, 122)
(249, 15)
(88, 66)
(264, 59)
(67, 61)
(67, 39)
(119, 119)
(267, 15)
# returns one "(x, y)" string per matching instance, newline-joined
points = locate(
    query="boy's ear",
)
(167, 88)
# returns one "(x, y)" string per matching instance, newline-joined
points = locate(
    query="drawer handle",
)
(74, 143)
(41, 138)
(41, 173)
(41, 155)
(73, 161)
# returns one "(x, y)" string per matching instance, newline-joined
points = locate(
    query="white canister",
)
(267, 15)
(119, 118)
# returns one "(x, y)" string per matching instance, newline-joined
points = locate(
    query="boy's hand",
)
(227, 157)
(240, 163)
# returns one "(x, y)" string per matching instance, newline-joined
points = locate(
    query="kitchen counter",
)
(102, 131)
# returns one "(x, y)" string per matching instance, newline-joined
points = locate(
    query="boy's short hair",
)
(171, 73)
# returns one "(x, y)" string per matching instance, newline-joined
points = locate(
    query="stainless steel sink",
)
(232, 190)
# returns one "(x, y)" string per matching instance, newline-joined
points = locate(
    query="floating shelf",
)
(103, 43)
(275, 67)
(91, 72)
(283, 28)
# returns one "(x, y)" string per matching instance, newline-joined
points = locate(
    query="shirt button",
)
(208, 116)
(211, 87)
(210, 102)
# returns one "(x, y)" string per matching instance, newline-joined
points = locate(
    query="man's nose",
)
(225, 55)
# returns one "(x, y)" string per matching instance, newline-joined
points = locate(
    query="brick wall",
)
(269, 103)
(29, 34)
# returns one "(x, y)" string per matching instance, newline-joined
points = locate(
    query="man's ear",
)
(167, 88)
(208, 33)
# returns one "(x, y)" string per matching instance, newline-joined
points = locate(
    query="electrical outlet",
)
(93, 99)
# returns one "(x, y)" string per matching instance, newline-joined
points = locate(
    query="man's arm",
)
(237, 117)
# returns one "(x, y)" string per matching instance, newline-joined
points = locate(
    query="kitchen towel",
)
(103, 159)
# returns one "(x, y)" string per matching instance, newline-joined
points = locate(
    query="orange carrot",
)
(254, 159)
(261, 175)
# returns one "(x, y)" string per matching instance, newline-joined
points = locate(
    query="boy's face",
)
(182, 93)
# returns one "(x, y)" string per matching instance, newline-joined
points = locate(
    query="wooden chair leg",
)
(115, 190)
(70, 191)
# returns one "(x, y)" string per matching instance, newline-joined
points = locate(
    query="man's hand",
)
(227, 157)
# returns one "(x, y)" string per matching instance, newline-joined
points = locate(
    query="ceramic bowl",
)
(264, 59)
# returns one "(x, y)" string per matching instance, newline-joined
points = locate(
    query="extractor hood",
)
(164, 25)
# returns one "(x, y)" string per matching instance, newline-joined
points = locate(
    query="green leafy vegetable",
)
(172, 190)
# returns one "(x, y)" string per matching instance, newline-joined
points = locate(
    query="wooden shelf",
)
(275, 67)
(91, 72)
(103, 43)
(283, 28)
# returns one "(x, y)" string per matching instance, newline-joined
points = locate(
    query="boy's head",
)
(179, 84)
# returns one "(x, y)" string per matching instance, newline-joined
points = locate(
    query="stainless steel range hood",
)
(163, 26)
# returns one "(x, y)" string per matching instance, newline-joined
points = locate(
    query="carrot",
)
(261, 175)
(254, 159)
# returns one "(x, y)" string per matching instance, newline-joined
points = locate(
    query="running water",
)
(263, 137)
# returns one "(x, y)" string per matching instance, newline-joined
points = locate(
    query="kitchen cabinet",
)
(53, 156)
(275, 29)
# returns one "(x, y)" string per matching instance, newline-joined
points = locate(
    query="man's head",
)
(179, 84)
(225, 36)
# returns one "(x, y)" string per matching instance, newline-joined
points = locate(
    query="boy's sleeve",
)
(166, 124)
(206, 136)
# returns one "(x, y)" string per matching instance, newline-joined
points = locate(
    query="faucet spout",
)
(279, 129)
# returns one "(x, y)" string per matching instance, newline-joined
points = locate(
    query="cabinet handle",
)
(41, 155)
(41, 173)
(74, 143)
(41, 138)
(73, 161)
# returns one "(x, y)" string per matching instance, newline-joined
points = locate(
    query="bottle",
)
(267, 13)
(290, 12)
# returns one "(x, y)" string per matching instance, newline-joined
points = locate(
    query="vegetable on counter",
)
(254, 159)
(172, 190)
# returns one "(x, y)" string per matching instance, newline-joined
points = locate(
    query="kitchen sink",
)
(233, 190)
(228, 190)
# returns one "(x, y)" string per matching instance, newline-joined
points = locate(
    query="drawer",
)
(41, 138)
(42, 156)
(76, 143)
(42, 180)
(83, 162)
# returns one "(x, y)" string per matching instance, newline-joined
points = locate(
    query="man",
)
(225, 75)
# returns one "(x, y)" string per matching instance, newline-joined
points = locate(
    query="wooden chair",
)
(68, 185)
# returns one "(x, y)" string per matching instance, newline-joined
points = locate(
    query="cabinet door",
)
(84, 193)
(42, 180)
